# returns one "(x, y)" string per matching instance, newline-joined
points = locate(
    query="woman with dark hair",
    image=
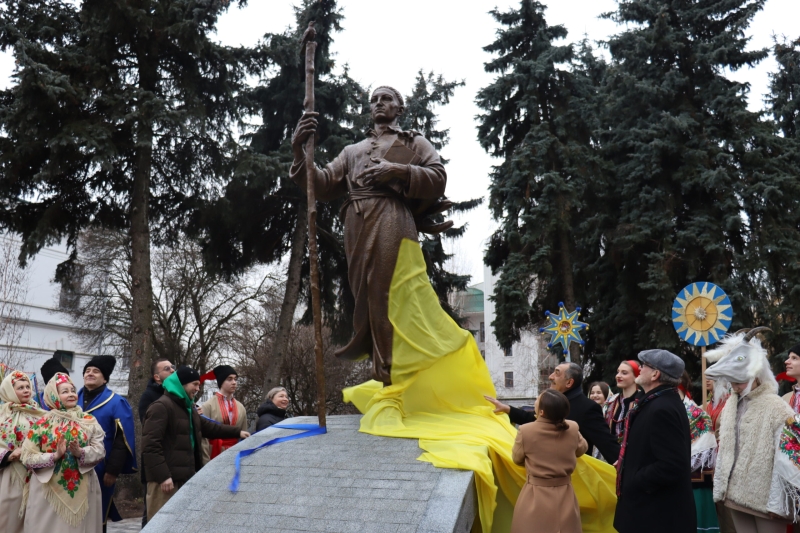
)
(548, 448)
(598, 392)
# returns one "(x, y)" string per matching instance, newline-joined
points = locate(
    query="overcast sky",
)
(387, 43)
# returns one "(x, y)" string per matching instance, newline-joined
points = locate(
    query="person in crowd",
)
(223, 408)
(273, 410)
(567, 379)
(716, 402)
(115, 416)
(548, 449)
(654, 485)
(619, 404)
(49, 369)
(598, 392)
(160, 370)
(793, 371)
(704, 454)
(18, 412)
(61, 449)
(171, 438)
(750, 425)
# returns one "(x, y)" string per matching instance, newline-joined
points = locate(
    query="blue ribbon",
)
(309, 430)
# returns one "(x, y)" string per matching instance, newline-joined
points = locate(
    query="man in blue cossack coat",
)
(115, 416)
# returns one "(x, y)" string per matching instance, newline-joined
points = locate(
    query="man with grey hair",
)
(567, 378)
(654, 467)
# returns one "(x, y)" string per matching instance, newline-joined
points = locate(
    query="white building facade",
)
(43, 330)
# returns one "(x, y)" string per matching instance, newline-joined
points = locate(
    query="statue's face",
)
(384, 106)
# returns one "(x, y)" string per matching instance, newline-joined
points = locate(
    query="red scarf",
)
(230, 415)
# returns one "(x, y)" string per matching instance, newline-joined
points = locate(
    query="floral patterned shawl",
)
(66, 490)
(704, 443)
(16, 420)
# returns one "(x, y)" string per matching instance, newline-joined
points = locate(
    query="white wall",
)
(45, 328)
(524, 359)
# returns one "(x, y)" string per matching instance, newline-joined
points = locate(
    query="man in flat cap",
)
(223, 408)
(654, 486)
(115, 416)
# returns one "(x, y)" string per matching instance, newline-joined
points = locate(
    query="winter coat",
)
(589, 416)
(656, 484)
(547, 502)
(744, 479)
(167, 444)
(269, 414)
(151, 393)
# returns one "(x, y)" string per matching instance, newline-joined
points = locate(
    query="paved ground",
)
(129, 525)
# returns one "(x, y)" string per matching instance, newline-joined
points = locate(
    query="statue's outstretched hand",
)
(306, 126)
(383, 172)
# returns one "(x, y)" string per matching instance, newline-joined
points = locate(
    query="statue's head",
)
(386, 104)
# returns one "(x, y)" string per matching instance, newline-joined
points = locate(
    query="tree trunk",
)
(568, 283)
(141, 277)
(290, 298)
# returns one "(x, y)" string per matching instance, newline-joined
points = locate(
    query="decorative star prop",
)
(701, 313)
(564, 328)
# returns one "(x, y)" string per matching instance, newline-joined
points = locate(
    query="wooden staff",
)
(310, 46)
(703, 376)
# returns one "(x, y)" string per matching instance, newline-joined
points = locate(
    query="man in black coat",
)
(654, 484)
(160, 370)
(567, 379)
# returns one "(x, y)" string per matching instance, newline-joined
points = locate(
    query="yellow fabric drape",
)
(438, 383)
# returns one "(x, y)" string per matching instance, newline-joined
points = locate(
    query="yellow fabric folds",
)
(438, 383)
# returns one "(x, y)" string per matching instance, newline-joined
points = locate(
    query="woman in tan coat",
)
(548, 447)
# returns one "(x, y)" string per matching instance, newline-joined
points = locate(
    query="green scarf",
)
(173, 384)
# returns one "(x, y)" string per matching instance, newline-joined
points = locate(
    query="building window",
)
(507, 352)
(483, 354)
(509, 380)
(70, 294)
(65, 358)
(483, 332)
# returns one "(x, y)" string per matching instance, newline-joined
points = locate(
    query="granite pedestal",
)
(343, 481)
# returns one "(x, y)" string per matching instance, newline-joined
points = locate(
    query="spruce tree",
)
(119, 117)
(539, 119)
(688, 163)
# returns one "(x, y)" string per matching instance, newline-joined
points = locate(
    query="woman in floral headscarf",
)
(18, 412)
(62, 449)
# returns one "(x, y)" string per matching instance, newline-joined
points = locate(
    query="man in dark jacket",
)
(654, 469)
(567, 379)
(171, 438)
(161, 369)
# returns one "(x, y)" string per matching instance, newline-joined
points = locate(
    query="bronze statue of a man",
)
(384, 176)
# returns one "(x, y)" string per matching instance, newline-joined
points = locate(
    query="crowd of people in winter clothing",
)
(732, 466)
(62, 450)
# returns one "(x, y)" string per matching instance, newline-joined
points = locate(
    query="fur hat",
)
(104, 363)
(187, 374)
(220, 373)
(50, 368)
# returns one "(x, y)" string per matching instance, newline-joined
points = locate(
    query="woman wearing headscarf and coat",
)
(18, 413)
(750, 425)
(61, 450)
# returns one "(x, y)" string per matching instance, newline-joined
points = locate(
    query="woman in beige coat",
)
(548, 447)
